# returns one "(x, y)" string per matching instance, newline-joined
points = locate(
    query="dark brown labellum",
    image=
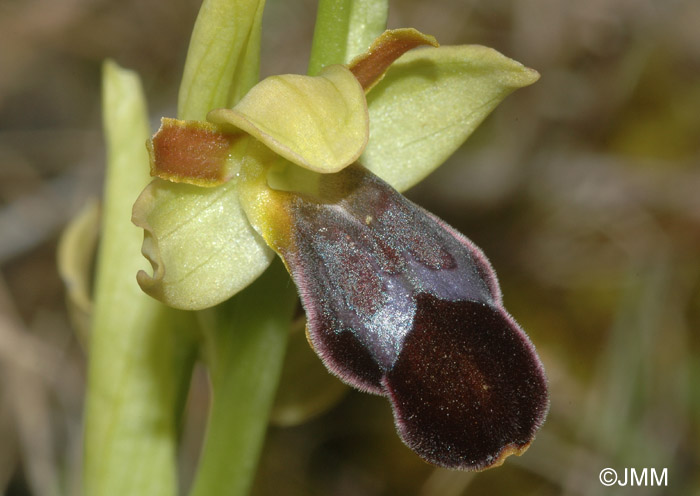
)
(400, 304)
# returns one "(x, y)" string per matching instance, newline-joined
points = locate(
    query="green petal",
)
(429, 102)
(319, 122)
(199, 242)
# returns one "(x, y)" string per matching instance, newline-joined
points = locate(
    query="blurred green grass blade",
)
(223, 59)
(345, 29)
(140, 350)
(245, 341)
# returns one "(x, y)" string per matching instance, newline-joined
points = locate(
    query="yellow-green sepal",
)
(429, 102)
(317, 122)
(200, 244)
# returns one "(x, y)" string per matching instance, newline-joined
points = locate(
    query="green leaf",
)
(345, 29)
(223, 59)
(244, 348)
(200, 244)
(76, 255)
(318, 122)
(140, 351)
(429, 102)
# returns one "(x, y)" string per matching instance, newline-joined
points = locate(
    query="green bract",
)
(130, 391)
(223, 57)
(198, 239)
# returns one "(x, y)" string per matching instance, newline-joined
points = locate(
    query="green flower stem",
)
(245, 340)
(345, 29)
(139, 349)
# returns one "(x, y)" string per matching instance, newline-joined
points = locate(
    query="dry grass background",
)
(583, 189)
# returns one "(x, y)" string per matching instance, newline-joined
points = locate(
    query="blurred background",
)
(584, 191)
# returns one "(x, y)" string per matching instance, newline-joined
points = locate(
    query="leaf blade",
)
(133, 392)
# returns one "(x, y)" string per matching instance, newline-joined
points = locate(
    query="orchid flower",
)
(398, 303)
(310, 168)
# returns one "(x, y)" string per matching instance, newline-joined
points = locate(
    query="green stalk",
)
(245, 341)
(139, 349)
(245, 338)
(345, 29)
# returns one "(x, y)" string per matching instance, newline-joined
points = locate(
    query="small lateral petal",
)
(370, 67)
(194, 152)
(318, 122)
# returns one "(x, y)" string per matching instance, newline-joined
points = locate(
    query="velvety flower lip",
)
(401, 305)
